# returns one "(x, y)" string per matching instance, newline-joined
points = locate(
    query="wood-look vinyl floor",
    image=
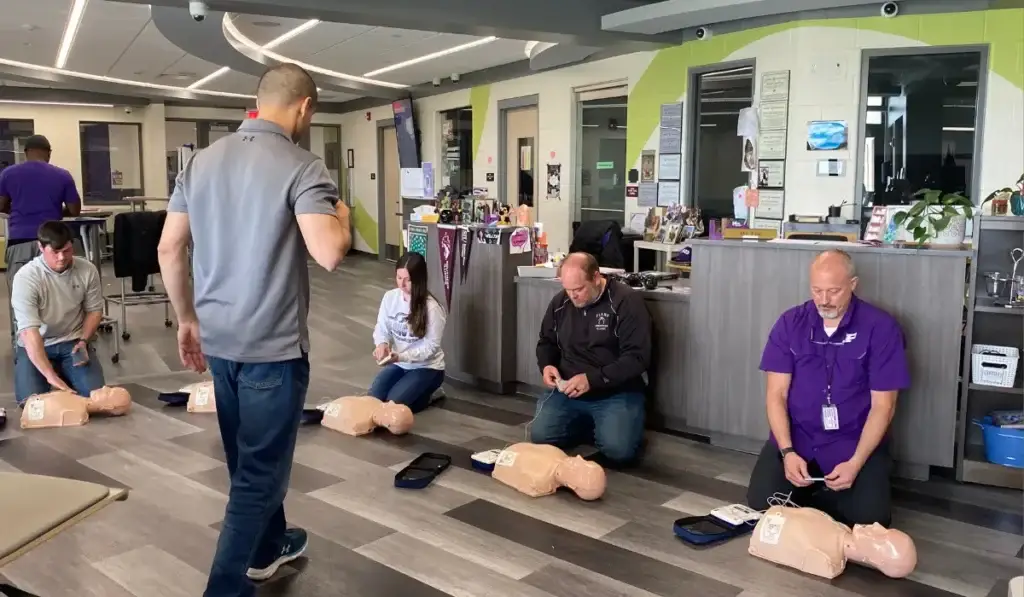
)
(466, 535)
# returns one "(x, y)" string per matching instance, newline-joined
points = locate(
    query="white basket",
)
(997, 370)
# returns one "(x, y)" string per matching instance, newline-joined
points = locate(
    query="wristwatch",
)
(785, 451)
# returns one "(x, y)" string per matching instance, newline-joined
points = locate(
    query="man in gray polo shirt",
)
(253, 204)
(57, 304)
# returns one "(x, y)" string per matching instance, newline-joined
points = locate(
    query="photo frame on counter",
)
(670, 166)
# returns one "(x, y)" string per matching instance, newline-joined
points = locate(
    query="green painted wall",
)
(480, 102)
(665, 79)
(365, 224)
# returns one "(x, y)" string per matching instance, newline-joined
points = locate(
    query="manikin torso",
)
(538, 470)
(811, 541)
(200, 397)
(359, 415)
(67, 409)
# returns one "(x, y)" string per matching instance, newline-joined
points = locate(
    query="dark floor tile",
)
(611, 561)
(1007, 522)
(690, 481)
(1001, 589)
(208, 443)
(480, 411)
(416, 444)
(30, 454)
(867, 582)
(330, 569)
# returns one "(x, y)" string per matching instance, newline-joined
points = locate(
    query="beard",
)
(828, 312)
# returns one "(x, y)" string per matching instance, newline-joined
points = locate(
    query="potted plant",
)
(937, 218)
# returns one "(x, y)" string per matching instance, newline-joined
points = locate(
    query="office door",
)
(521, 182)
(392, 195)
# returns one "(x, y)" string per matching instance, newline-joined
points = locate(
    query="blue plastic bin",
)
(1002, 445)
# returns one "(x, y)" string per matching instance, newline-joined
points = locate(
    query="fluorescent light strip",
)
(42, 103)
(291, 34)
(958, 129)
(104, 79)
(70, 31)
(238, 36)
(434, 56)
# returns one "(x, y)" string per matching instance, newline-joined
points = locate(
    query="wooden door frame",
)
(382, 236)
(526, 101)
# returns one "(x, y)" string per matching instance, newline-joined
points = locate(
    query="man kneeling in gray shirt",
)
(58, 304)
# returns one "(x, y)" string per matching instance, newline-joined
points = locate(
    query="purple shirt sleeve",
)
(71, 196)
(3, 186)
(887, 354)
(777, 356)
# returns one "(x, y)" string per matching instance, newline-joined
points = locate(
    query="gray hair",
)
(851, 268)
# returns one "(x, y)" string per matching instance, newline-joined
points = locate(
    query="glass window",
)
(178, 133)
(457, 150)
(12, 141)
(601, 155)
(717, 155)
(111, 160)
(919, 125)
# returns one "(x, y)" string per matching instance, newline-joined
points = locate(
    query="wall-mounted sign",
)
(490, 176)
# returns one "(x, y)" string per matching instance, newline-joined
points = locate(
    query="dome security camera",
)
(890, 10)
(703, 33)
(436, 82)
(197, 9)
(455, 77)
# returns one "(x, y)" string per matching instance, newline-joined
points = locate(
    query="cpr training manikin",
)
(67, 409)
(200, 397)
(538, 470)
(811, 541)
(360, 415)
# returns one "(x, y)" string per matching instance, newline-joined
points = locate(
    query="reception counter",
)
(707, 346)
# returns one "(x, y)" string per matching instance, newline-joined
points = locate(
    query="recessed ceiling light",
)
(267, 24)
(29, 27)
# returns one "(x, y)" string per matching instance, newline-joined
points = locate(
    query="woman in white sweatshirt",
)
(408, 334)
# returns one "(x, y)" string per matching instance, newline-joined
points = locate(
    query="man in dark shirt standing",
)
(594, 347)
(31, 193)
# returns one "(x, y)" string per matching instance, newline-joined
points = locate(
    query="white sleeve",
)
(380, 331)
(428, 346)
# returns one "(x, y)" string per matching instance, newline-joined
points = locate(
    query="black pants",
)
(868, 501)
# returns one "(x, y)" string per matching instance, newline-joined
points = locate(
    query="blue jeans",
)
(83, 380)
(411, 387)
(615, 424)
(259, 407)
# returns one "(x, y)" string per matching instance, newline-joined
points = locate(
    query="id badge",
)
(830, 417)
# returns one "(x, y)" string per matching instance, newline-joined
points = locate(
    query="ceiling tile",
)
(107, 31)
(234, 82)
(30, 31)
(187, 70)
(249, 26)
(359, 54)
(149, 56)
(320, 38)
(497, 53)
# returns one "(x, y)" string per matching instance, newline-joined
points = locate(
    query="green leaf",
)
(915, 222)
(940, 224)
(899, 218)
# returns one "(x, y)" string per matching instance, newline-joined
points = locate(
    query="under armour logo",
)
(248, 138)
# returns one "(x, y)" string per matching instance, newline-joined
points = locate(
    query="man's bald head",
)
(581, 279)
(835, 259)
(285, 85)
(833, 280)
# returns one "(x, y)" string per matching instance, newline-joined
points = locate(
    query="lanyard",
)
(830, 363)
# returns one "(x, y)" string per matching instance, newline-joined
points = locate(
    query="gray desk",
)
(740, 289)
(669, 312)
(480, 335)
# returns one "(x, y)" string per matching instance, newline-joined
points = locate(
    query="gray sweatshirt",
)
(55, 303)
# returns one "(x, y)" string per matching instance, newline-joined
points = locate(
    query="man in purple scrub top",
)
(834, 366)
(31, 193)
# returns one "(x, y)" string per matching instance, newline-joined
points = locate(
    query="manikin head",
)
(110, 401)
(889, 551)
(581, 278)
(287, 97)
(587, 479)
(37, 149)
(55, 245)
(396, 418)
(833, 280)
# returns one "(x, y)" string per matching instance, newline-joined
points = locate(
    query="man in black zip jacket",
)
(594, 347)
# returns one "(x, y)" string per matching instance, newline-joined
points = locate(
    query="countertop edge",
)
(848, 247)
(653, 295)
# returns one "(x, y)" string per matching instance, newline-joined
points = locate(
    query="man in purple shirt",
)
(31, 193)
(834, 366)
